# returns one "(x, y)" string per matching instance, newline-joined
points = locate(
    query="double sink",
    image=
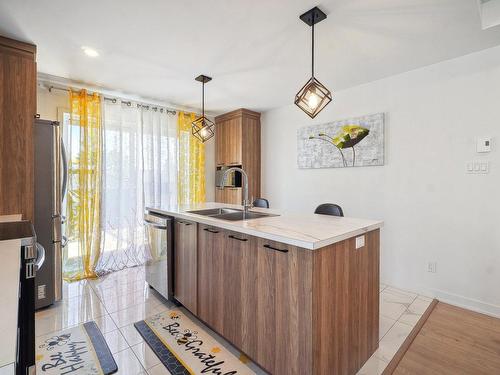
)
(231, 214)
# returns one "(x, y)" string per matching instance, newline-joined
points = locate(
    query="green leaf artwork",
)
(348, 137)
(356, 142)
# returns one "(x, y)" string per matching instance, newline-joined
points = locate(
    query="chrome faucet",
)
(246, 203)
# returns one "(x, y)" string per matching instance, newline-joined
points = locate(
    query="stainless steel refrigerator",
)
(50, 188)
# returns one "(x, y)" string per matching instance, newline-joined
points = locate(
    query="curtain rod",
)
(114, 100)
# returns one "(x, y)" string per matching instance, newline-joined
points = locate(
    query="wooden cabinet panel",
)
(284, 300)
(251, 154)
(239, 300)
(185, 264)
(345, 305)
(17, 111)
(228, 142)
(210, 276)
(229, 195)
(233, 142)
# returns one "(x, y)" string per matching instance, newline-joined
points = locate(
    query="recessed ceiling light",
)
(90, 51)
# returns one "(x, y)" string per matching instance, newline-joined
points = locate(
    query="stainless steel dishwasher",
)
(159, 272)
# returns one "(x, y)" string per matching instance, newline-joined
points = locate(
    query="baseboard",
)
(464, 302)
(453, 299)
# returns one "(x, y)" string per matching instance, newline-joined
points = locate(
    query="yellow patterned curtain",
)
(83, 206)
(191, 179)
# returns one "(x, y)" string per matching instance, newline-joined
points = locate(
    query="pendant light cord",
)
(312, 50)
(203, 99)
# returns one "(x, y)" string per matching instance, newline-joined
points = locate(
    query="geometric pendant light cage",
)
(203, 128)
(313, 96)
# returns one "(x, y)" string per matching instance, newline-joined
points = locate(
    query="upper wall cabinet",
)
(238, 133)
(17, 111)
(237, 142)
(228, 141)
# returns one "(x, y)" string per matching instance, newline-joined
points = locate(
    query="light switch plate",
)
(483, 144)
(477, 167)
(360, 242)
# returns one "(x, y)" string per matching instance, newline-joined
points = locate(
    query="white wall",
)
(48, 102)
(433, 210)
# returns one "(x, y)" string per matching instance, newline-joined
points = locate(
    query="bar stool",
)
(261, 202)
(329, 209)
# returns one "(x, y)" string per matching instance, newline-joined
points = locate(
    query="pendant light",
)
(202, 127)
(313, 96)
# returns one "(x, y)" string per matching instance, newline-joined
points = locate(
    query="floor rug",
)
(184, 347)
(78, 350)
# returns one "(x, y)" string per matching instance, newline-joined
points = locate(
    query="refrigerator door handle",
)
(65, 170)
(40, 256)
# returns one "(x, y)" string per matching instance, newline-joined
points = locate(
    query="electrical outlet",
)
(360, 242)
(432, 267)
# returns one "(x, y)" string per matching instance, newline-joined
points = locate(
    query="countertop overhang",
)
(309, 231)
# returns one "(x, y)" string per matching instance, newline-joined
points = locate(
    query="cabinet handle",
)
(273, 248)
(183, 222)
(239, 239)
(211, 230)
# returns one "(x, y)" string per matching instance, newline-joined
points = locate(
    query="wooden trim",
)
(345, 305)
(237, 113)
(15, 44)
(393, 364)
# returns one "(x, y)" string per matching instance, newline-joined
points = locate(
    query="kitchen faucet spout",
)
(246, 203)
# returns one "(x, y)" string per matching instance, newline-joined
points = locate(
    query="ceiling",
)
(258, 52)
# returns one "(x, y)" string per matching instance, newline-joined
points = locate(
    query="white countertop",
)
(10, 256)
(308, 230)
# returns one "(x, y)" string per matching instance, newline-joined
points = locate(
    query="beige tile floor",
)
(120, 299)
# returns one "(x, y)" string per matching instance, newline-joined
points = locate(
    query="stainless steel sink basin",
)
(235, 216)
(231, 214)
(215, 211)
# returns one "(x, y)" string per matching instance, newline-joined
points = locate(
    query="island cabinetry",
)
(291, 310)
(251, 291)
(345, 305)
(185, 264)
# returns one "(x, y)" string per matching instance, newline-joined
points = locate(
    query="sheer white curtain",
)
(140, 169)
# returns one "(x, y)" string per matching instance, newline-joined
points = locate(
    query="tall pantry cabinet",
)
(17, 112)
(237, 144)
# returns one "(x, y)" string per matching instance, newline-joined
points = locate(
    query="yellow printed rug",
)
(185, 347)
(78, 350)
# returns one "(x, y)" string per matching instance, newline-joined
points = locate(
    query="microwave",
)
(233, 178)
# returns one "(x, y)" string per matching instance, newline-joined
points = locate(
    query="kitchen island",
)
(299, 294)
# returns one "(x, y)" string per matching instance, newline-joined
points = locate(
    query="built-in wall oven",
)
(233, 179)
(159, 233)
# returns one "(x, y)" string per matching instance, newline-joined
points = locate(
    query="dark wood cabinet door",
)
(185, 264)
(228, 142)
(210, 276)
(240, 292)
(283, 310)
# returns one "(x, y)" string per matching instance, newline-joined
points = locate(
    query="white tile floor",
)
(120, 299)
